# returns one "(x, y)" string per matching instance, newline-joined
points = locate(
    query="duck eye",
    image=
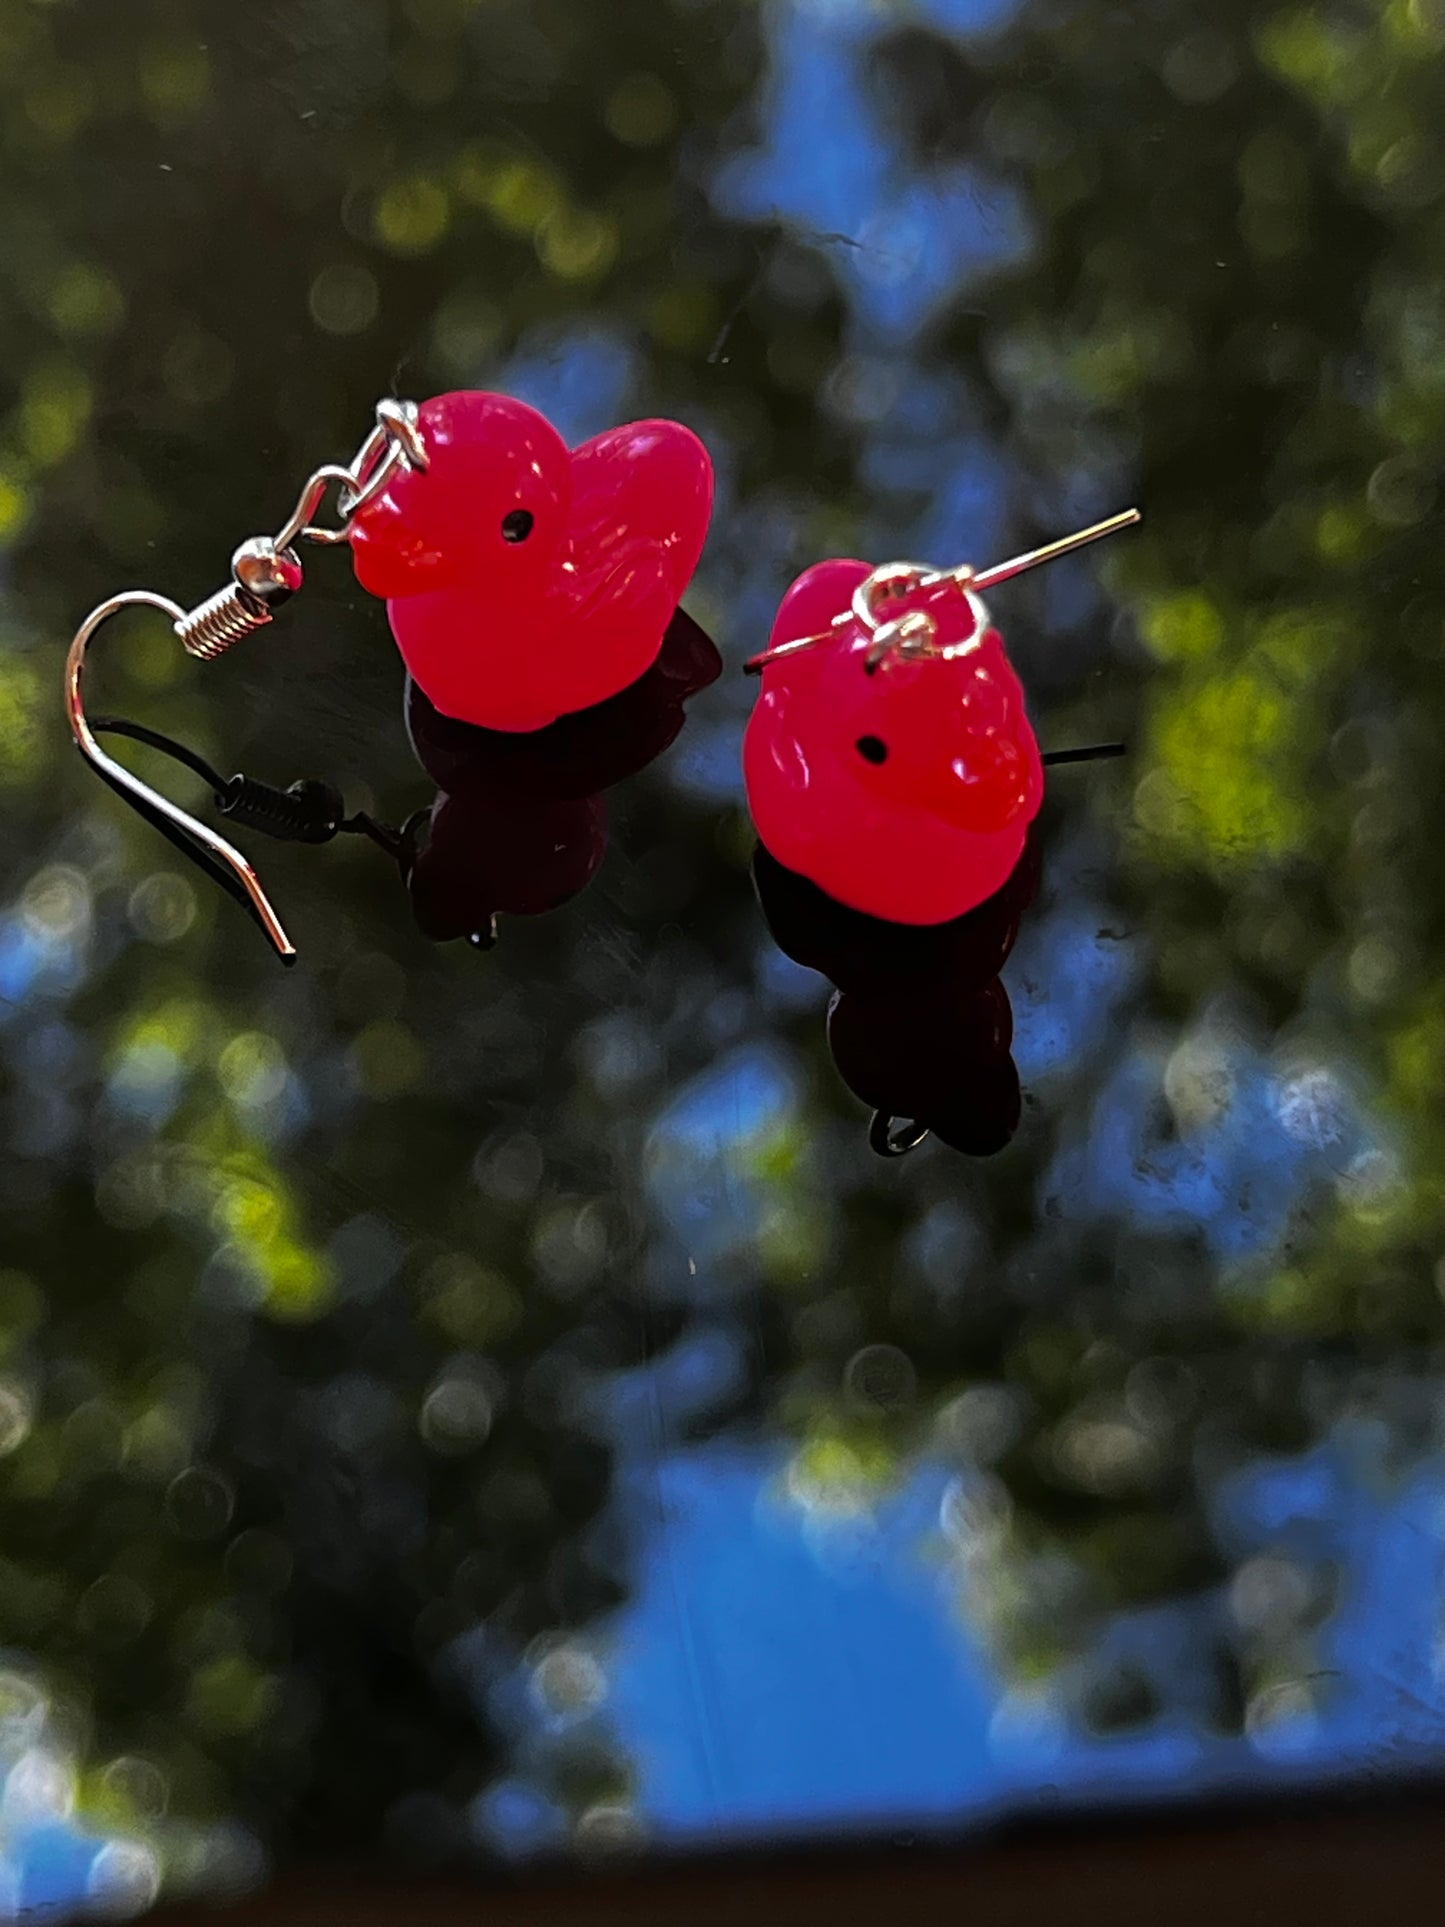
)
(517, 526)
(872, 749)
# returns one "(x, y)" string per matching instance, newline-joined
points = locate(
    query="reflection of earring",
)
(890, 758)
(520, 826)
(524, 581)
(921, 1027)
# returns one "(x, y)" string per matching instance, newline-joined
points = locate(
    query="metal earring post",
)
(912, 635)
(1035, 558)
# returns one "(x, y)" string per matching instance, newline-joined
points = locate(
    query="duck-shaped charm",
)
(525, 580)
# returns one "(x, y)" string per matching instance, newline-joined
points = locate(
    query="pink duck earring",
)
(890, 759)
(893, 777)
(524, 582)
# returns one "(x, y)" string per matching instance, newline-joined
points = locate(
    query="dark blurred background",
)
(480, 1409)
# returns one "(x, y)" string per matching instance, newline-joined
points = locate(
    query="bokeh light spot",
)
(344, 299)
(880, 1378)
(86, 301)
(574, 244)
(197, 368)
(252, 1070)
(124, 1880)
(55, 404)
(199, 1503)
(17, 1415)
(521, 194)
(162, 907)
(467, 1302)
(22, 742)
(388, 1060)
(641, 111)
(135, 1788)
(175, 78)
(232, 1695)
(56, 904)
(412, 215)
(456, 1414)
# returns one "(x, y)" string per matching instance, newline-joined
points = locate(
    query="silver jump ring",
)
(371, 475)
(891, 580)
(891, 1137)
(402, 421)
(394, 443)
(914, 634)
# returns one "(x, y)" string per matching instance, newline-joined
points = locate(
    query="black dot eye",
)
(517, 526)
(872, 749)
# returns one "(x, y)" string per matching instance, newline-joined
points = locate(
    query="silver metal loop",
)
(313, 494)
(913, 634)
(393, 457)
(892, 1138)
(890, 582)
(965, 646)
(395, 442)
(150, 802)
(402, 421)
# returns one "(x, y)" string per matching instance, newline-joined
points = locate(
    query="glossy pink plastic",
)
(525, 580)
(906, 793)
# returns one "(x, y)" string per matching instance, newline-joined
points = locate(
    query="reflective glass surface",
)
(476, 1396)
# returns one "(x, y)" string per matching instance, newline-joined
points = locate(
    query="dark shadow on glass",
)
(519, 826)
(920, 1026)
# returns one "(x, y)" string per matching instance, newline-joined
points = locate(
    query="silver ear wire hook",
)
(246, 885)
(265, 572)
